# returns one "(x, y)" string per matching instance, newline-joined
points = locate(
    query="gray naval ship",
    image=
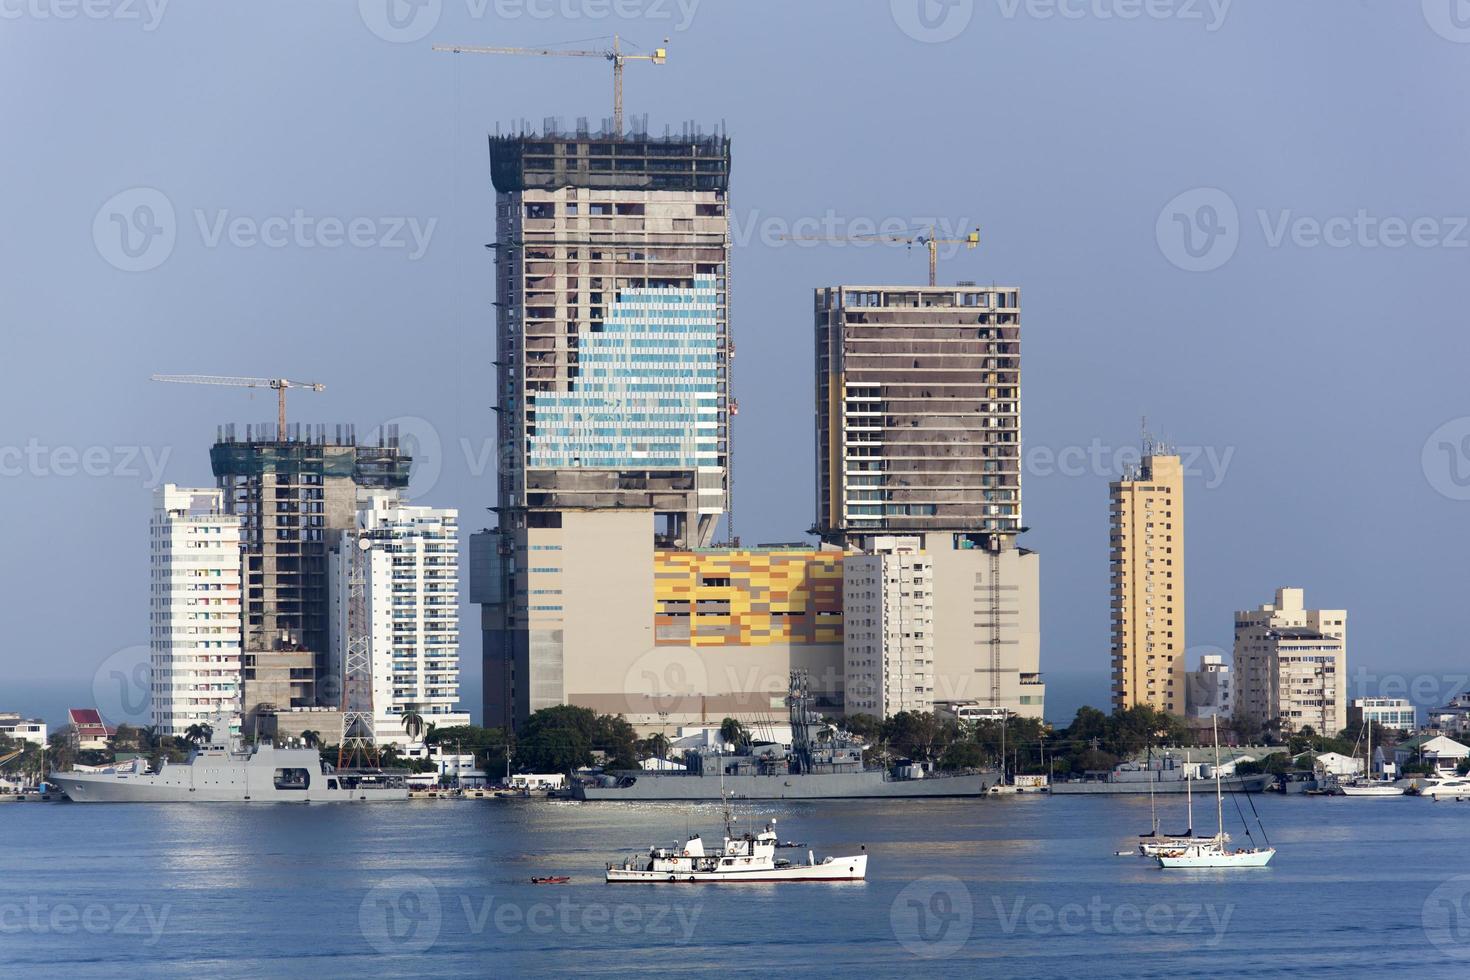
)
(1164, 774)
(821, 765)
(222, 773)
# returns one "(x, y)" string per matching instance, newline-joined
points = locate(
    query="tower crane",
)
(615, 54)
(931, 241)
(281, 385)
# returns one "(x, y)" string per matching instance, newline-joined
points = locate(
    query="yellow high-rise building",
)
(1146, 572)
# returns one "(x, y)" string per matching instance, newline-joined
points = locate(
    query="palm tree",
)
(413, 724)
(733, 732)
(658, 746)
(195, 734)
(311, 739)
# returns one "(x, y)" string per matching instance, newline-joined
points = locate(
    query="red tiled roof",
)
(88, 721)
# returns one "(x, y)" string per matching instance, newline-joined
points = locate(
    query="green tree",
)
(311, 739)
(733, 732)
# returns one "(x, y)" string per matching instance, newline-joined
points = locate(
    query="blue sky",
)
(1244, 220)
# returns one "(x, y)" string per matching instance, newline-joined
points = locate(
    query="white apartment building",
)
(1396, 713)
(1291, 664)
(888, 628)
(13, 726)
(410, 571)
(195, 624)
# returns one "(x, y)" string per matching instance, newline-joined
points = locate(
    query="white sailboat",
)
(1153, 843)
(1212, 853)
(1368, 786)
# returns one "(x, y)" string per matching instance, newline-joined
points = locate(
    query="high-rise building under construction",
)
(613, 355)
(612, 335)
(292, 492)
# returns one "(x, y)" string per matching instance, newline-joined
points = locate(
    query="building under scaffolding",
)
(293, 493)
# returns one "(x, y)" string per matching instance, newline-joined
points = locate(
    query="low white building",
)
(408, 558)
(1337, 764)
(32, 730)
(1440, 751)
(1396, 713)
(194, 613)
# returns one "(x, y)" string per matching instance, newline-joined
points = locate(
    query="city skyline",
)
(1238, 459)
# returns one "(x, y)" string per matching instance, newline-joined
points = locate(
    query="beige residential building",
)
(888, 628)
(1291, 664)
(1147, 585)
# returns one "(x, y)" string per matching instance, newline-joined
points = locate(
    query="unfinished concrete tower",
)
(918, 418)
(613, 356)
(613, 326)
(290, 491)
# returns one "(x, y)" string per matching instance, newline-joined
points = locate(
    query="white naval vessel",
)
(221, 773)
(746, 858)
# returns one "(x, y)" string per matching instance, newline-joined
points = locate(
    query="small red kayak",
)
(551, 880)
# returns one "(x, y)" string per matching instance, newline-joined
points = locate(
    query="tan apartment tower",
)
(1146, 577)
(1291, 664)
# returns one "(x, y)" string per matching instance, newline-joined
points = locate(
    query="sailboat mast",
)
(1189, 791)
(1219, 800)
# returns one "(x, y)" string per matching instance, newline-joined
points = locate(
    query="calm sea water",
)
(1019, 887)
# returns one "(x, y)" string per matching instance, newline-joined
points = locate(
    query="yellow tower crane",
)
(281, 385)
(615, 54)
(931, 241)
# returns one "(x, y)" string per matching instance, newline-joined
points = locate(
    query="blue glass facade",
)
(646, 394)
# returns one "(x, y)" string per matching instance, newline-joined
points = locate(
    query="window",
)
(292, 779)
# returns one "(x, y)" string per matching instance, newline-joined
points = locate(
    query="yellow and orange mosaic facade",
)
(747, 598)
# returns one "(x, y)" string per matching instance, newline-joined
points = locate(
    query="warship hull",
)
(874, 784)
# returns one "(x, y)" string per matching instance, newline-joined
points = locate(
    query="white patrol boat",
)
(747, 858)
(219, 773)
